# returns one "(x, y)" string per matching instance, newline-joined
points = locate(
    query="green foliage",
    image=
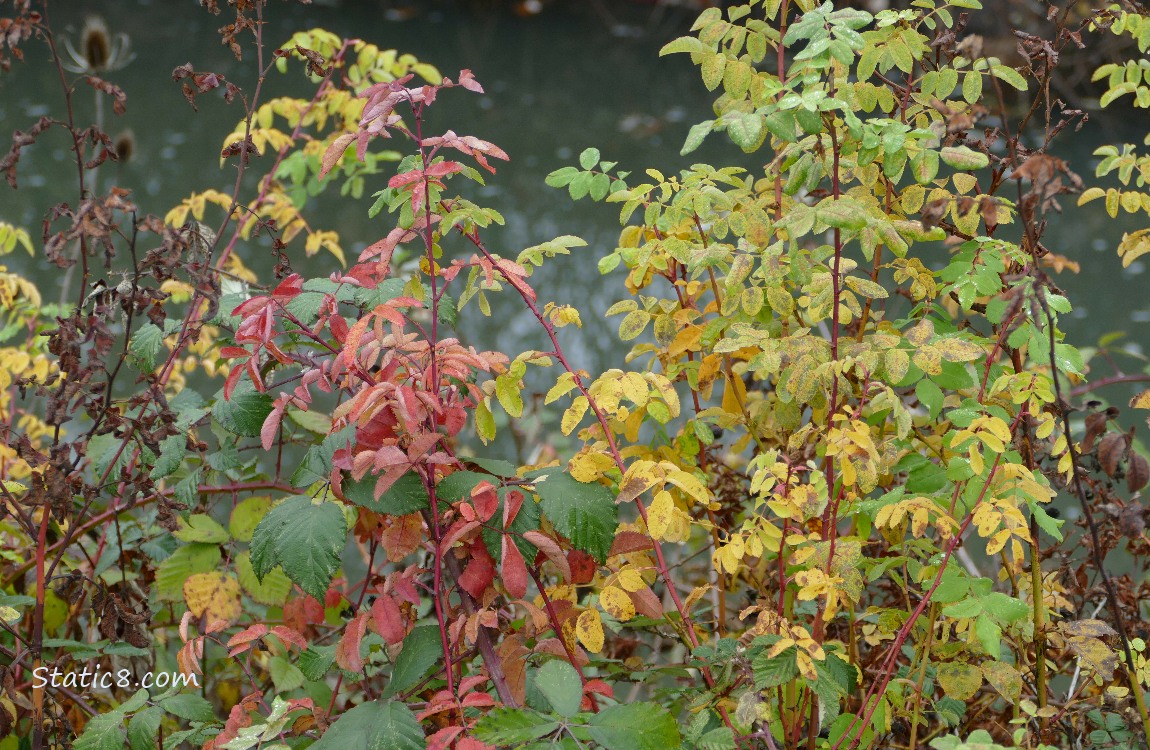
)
(808, 510)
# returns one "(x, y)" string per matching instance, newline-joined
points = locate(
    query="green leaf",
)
(315, 661)
(143, 727)
(930, 396)
(374, 726)
(972, 86)
(963, 157)
(189, 706)
(589, 158)
(775, 671)
(146, 345)
(1008, 75)
(989, 635)
(695, 136)
(746, 130)
(185, 561)
(305, 538)
(172, 451)
(635, 726)
(273, 590)
(246, 516)
(584, 513)
(560, 684)
(245, 412)
(509, 726)
(201, 528)
(102, 732)
(422, 649)
(406, 495)
(1003, 608)
(561, 177)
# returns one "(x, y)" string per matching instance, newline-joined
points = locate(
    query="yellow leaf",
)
(734, 396)
(618, 603)
(589, 630)
(635, 388)
(215, 594)
(587, 467)
(573, 415)
(1141, 401)
(562, 386)
(997, 542)
(631, 579)
(659, 514)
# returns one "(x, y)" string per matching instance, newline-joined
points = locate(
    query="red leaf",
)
(600, 687)
(550, 548)
(514, 570)
(480, 571)
(334, 152)
(442, 739)
(485, 500)
(479, 700)
(583, 567)
(242, 641)
(630, 541)
(347, 652)
(388, 619)
(402, 537)
(287, 635)
(272, 424)
(470, 743)
(511, 505)
(467, 81)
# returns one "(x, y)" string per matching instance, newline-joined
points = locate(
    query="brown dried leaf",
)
(1095, 426)
(1110, 452)
(1138, 473)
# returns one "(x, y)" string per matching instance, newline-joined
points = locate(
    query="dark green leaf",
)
(560, 684)
(422, 649)
(405, 496)
(189, 706)
(245, 412)
(374, 726)
(146, 345)
(584, 513)
(635, 726)
(303, 537)
(509, 726)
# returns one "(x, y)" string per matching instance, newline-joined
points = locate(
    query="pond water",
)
(555, 83)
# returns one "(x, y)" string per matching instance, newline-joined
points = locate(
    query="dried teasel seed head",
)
(125, 146)
(96, 44)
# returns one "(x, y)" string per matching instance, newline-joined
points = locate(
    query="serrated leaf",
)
(635, 726)
(374, 726)
(561, 686)
(696, 135)
(406, 495)
(584, 513)
(589, 158)
(189, 706)
(201, 528)
(102, 732)
(146, 345)
(172, 451)
(143, 727)
(245, 412)
(422, 649)
(185, 561)
(304, 538)
(509, 726)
